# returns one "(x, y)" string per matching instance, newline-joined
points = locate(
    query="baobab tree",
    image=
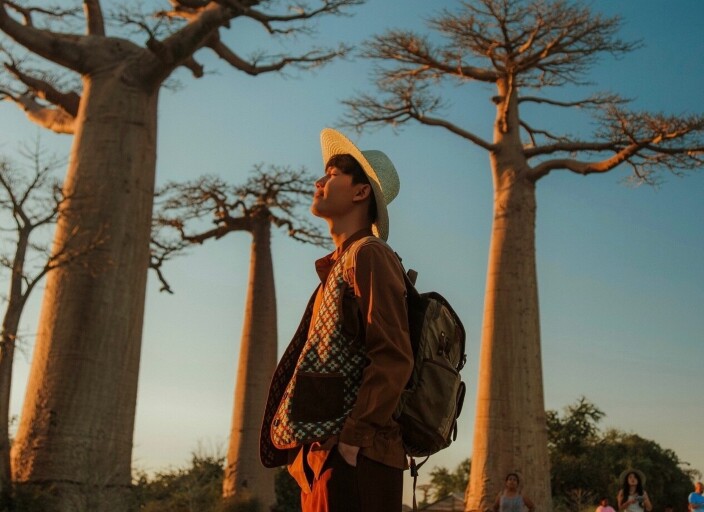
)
(76, 428)
(30, 200)
(270, 197)
(525, 49)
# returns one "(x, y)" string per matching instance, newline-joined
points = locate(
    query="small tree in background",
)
(443, 482)
(30, 201)
(519, 47)
(192, 489)
(271, 197)
(587, 462)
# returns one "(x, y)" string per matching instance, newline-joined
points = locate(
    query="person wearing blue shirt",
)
(696, 500)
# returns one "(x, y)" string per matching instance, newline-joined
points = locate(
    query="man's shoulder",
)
(369, 253)
(371, 248)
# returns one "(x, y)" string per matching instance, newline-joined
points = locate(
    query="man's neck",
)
(341, 232)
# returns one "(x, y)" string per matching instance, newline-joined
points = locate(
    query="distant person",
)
(604, 505)
(696, 500)
(511, 499)
(632, 496)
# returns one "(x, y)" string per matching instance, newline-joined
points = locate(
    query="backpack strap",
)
(414, 473)
(352, 250)
(409, 276)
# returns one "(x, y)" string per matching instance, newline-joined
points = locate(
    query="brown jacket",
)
(374, 312)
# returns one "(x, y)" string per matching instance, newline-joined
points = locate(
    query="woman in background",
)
(632, 497)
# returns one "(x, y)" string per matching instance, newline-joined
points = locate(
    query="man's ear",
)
(362, 192)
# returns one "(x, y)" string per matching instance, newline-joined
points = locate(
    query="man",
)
(332, 397)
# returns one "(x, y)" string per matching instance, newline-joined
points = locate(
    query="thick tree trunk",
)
(75, 435)
(245, 477)
(510, 433)
(510, 430)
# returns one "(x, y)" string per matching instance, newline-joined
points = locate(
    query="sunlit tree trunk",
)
(245, 477)
(510, 431)
(77, 422)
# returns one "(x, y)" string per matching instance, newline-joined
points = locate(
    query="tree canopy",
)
(586, 461)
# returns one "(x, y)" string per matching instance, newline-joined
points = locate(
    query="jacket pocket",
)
(318, 397)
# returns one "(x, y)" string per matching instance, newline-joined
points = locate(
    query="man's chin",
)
(315, 211)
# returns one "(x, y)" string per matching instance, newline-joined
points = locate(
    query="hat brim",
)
(334, 143)
(624, 474)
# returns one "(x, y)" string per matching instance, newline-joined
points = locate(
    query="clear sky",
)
(620, 272)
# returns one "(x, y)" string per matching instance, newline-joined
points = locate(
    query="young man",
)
(332, 397)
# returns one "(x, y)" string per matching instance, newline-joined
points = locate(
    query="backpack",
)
(432, 400)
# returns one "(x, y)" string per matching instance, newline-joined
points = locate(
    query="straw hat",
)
(624, 474)
(378, 168)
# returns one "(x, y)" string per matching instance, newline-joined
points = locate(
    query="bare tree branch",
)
(407, 100)
(94, 17)
(273, 195)
(35, 201)
(542, 43)
(162, 249)
(63, 49)
(518, 45)
(534, 133)
(595, 101)
(300, 13)
(69, 101)
(647, 142)
(28, 12)
(308, 60)
(55, 119)
(414, 56)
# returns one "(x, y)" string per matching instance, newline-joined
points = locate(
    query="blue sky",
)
(621, 281)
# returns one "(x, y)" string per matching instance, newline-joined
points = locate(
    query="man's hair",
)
(350, 166)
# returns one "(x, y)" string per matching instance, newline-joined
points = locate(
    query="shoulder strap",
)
(353, 249)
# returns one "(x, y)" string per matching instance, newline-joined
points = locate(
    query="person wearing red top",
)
(329, 415)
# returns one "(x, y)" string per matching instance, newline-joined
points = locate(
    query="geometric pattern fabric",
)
(326, 351)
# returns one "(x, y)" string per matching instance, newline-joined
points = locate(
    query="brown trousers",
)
(368, 487)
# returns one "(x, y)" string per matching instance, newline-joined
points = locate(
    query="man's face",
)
(334, 194)
(698, 487)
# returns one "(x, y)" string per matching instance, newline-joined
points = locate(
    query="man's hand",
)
(349, 453)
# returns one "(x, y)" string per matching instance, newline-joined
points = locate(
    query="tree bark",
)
(10, 325)
(245, 477)
(510, 433)
(75, 435)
